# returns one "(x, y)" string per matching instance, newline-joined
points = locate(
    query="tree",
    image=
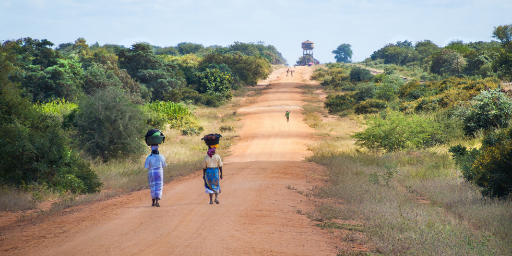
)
(503, 65)
(110, 126)
(43, 73)
(158, 75)
(459, 47)
(187, 48)
(426, 48)
(33, 146)
(343, 53)
(504, 35)
(447, 62)
(400, 53)
(248, 68)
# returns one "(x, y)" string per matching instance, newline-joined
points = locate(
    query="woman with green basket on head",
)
(212, 167)
(155, 164)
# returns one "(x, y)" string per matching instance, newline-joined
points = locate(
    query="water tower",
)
(307, 52)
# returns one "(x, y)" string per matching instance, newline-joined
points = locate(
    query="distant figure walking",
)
(287, 71)
(155, 164)
(291, 72)
(287, 116)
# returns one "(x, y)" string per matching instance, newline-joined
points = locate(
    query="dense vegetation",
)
(462, 102)
(63, 107)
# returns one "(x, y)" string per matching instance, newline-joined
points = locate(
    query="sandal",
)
(211, 202)
(157, 205)
(217, 201)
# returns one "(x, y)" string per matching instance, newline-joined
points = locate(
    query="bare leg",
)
(216, 199)
(211, 201)
(157, 204)
(153, 202)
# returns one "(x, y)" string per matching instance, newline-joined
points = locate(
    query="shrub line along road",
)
(258, 214)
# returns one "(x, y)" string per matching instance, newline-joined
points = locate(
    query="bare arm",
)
(220, 169)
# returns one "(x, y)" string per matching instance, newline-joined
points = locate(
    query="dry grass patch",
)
(405, 203)
(12, 199)
(370, 187)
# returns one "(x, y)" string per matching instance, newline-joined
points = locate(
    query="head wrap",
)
(154, 150)
(210, 152)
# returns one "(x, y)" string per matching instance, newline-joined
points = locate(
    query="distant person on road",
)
(287, 71)
(291, 72)
(287, 116)
(155, 164)
(212, 165)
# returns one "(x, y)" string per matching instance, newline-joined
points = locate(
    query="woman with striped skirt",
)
(155, 164)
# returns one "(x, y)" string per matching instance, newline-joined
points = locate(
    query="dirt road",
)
(258, 214)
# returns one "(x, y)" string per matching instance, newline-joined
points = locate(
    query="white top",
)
(155, 162)
(212, 162)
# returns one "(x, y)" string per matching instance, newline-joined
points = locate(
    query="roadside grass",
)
(12, 199)
(379, 191)
(403, 203)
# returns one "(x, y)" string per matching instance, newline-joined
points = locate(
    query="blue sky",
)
(365, 24)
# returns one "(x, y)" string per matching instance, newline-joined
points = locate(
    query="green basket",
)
(150, 140)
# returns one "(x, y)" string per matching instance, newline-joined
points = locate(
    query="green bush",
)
(370, 106)
(358, 74)
(215, 82)
(155, 119)
(339, 103)
(34, 148)
(365, 91)
(187, 124)
(398, 132)
(110, 126)
(465, 158)
(488, 110)
(249, 69)
(388, 88)
(490, 167)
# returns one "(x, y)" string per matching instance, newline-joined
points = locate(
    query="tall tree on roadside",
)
(503, 65)
(343, 53)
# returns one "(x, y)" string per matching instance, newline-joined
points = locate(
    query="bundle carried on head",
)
(212, 140)
(154, 137)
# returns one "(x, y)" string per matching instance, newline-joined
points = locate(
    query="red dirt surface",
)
(260, 210)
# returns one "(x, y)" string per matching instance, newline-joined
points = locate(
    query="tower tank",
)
(308, 45)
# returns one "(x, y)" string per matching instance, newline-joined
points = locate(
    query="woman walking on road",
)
(212, 166)
(155, 164)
